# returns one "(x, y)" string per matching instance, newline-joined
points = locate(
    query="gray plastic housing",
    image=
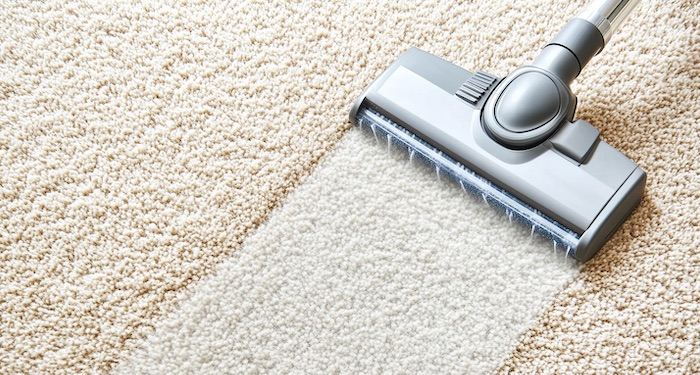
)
(573, 177)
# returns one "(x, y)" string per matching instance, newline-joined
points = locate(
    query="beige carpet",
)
(142, 146)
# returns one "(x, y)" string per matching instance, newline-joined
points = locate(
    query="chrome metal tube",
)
(607, 15)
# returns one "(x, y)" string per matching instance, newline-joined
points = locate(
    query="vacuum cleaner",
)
(514, 141)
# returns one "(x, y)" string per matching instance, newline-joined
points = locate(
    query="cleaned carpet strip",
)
(373, 265)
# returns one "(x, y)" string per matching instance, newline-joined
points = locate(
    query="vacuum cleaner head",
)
(513, 141)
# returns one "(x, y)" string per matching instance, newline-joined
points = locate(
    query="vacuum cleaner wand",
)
(607, 15)
(513, 141)
(583, 37)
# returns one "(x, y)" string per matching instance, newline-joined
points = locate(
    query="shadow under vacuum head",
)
(513, 141)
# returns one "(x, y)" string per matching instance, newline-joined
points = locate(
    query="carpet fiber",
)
(142, 146)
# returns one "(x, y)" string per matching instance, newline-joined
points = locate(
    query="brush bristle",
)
(393, 134)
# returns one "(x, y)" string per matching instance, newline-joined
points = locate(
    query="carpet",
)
(180, 191)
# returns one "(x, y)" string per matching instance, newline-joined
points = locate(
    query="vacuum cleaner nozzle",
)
(513, 141)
